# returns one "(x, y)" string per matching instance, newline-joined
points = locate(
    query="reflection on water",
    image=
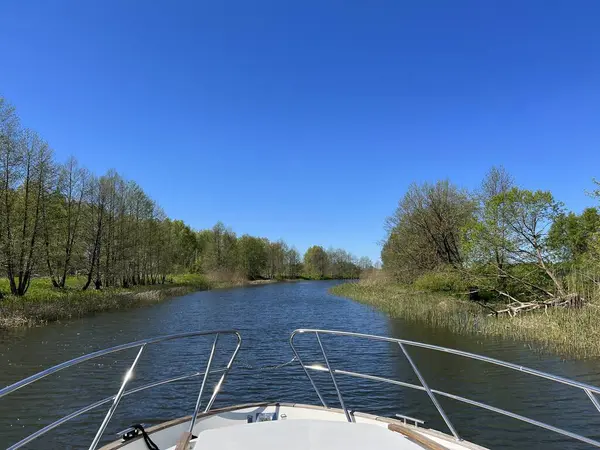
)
(266, 316)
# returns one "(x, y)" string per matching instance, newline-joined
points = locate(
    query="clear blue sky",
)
(307, 120)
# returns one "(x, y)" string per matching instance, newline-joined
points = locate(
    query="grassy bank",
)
(568, 332)
(44, 304)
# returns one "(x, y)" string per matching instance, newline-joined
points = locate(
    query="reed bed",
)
(573, 333)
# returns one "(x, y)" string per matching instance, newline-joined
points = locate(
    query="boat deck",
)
(302, 435)
(294, 426)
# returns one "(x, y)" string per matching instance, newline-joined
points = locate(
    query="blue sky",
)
(308, 120)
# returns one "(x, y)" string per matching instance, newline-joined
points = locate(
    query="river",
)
(266, 316)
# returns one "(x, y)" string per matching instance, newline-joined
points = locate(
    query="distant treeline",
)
(58, 220)
(512, 243)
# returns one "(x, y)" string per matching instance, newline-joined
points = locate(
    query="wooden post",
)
(184, 441)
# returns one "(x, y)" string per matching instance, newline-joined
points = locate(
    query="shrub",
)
(444, 280)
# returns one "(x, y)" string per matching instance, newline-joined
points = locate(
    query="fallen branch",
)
(507, 295)
(525, 282)
(483, 305)
(512, 309)
(568, 301)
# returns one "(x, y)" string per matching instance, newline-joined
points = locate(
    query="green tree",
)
(276, 259)
(253, 256)
(365, 263)
(26, 170)
(58, 219)
(426, 229)
(529, 260)
(62, 212)
(530, 215)
(185, 246)
(571, 234)
(220, 252)
(484, 240)
(341, 264)
(315, 262)
(293, 265)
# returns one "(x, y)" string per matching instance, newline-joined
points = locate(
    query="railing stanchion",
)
(306, 371)
(199, 400)
(592, 392)
(222, 379)
(141, 344)
(593, 399)
(339, 394)
(113, 407)
(431, 394)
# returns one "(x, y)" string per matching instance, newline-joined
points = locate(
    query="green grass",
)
(43, 303)
(567, 332)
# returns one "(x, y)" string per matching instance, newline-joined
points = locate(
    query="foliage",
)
(425, 231)
(342, 265)
(59, 220)
(507, 247)
(253, 256)
(442, 280)
(516, 243)
(571, 235)
(529, 216)
(220, 251)
(484, 236)
(315, 262)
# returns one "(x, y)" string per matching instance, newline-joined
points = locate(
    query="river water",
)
(266, 316)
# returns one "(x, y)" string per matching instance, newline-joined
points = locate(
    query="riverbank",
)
(567, 332)
(44, 304)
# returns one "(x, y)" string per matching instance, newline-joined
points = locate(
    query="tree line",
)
(60, 219)
(221, 253)
(514, 243)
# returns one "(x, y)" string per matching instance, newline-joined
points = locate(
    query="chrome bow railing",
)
(128, 375)
(434, 393)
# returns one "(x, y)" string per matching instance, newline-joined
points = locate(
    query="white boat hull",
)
(266, 426)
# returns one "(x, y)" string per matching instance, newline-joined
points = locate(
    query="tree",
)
(220, 250)
(252, 256)
(529, 261)
(59, 219)
(10, 173)
(583, 241)
(365, 263)
(94, 230)
(276, 259)
(315, 262)
(292, 263)
(530, 215)
(570, 235)
(486, 235)
(426, 229)
(62, 212)
(341, 264)
(185, 246)
(26, 169)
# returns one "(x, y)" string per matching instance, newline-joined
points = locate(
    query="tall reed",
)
(568, 332)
